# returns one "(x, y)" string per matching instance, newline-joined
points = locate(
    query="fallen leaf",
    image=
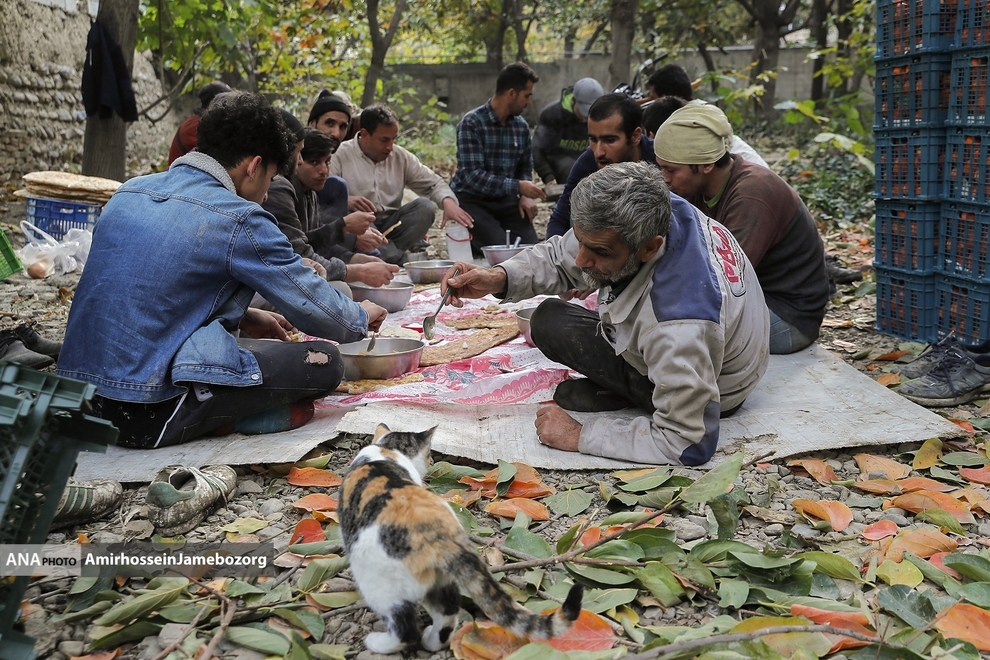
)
(837, 323)
(922, 500)
(786, 644)
(893, 469)
(508, 508)
(837, 514)
(526, 483)
(820, 470)
(923, 483)
(970, 495)
(463, 497)
(307, 530)
(976, 475)
(880, 530)
(590, 632)
(316, 502)
(903, 572)
(936, 561)
(928, 455)
(963, 424)
(326, 516)
(966, 622)
(923, 542)
(313, 477)
(854, 621)
(878, 487)
(245, 526)
(530, 490)
(590, 535)
(891, 357)
(889, 379)
(484, 641)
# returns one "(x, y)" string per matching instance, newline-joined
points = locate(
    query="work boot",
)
(35, 342)
(86, 501)
(584, 395)
(180, 497)
(13, 350)
(839, 275)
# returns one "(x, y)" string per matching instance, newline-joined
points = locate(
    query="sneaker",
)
(86, 501)
(35, 342)
(932, 355)
(584, 395)
(180, 498)
(958, 378)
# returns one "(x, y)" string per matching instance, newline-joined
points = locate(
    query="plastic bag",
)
(43, 255)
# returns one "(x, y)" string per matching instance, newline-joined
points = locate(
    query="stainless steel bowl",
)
(394, 296)
(523, 317)
(427, 272)
(393, 356)
(496, 254)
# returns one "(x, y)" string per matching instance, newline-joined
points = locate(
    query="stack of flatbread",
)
(70, 187)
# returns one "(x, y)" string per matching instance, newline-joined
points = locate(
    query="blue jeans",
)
(785, 338)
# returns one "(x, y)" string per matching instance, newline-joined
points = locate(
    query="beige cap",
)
(694, 135)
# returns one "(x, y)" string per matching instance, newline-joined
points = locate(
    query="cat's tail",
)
(471, 574)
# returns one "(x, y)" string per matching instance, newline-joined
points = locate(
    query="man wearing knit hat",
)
(562, 131)
(767, 217)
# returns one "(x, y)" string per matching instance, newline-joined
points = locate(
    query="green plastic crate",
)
(9, 263)
(43, 427)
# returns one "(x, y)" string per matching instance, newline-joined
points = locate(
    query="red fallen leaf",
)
(316, 502)
(508, 508)
(936, 561)
(307, 530)
(976, 475)
(923, 542)
(589, 633)
(590, 535)
(484, 641)
(878, 487)
(872, 367)
(313, 477)
(530, 490)
(837, 514)
(889, 379)
(963, 424)
(763, 466)
(821, 471)
(890, 357)
(922, 500)
(880, 530)
(923, 483)
(463, 497)
(854, 621)
(966, 622)
(326, 516)
(893, 469)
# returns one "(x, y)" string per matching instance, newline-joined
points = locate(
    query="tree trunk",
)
(380, 44)
(772, 20)
(819, 32)
(521, 31)
(623, 30)
(844, 30)
(569, 39)
(709, 62)
(105, 142)
(593, 38)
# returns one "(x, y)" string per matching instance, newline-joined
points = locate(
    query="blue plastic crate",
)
(964, 240)
(912, 91)
(905, 27)
(57, 217)
(906, 235)
(967, 164)
(909, 163)
(972, 24)
(968, 91)
(906, 304)
(962, 308)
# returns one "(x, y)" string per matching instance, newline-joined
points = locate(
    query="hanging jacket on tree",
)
(106, 82)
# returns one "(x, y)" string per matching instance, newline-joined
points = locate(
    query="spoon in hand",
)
(371, 344)
(430, 322)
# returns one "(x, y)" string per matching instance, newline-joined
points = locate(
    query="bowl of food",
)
(394, 296)
(427, 272)
(523, 317)
(391, 358)
(496, 254)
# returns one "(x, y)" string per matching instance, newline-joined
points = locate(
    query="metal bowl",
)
(523, 317)
(427, 272)
(496, 254)
(392, 357)
(394, 296)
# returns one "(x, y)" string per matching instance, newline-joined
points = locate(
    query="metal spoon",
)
(371, 344)
(508, 237)
(430, 322)
(518, 241)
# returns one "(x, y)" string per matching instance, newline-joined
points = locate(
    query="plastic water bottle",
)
(458, 242)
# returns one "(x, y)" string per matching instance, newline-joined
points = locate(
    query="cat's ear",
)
(381, 432)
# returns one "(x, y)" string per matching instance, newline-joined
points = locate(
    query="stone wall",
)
(42, 119)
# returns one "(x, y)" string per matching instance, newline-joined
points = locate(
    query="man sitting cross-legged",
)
(377, 170)
(681, 330)
(293, 203)
(175, 261)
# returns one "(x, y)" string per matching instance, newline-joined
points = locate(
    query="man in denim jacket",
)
(176, 259)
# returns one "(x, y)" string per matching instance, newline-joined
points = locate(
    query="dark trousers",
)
(290, 372)
(416, 217)
(573, 336)
(493, 217)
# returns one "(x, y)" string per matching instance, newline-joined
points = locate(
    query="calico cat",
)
(407, 547)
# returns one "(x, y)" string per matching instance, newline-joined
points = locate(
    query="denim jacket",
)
(176, 259)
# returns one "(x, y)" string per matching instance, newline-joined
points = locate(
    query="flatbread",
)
(474, 344)
(425, 287)
(371, 384)
(483, 320)
(399, 331)
(70, 187)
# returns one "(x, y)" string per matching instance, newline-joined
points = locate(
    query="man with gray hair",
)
(681, 331)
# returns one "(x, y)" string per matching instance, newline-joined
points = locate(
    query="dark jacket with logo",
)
(559, 139)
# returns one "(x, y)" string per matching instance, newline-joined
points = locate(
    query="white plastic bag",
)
(43, 255)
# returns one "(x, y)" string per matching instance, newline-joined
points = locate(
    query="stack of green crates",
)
(43, 427)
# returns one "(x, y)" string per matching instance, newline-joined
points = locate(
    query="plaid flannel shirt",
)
(492, 158)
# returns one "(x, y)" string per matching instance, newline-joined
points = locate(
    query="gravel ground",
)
(267, 495)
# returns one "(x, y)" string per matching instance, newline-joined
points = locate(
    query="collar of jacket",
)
(622, 305)
(206, 164)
